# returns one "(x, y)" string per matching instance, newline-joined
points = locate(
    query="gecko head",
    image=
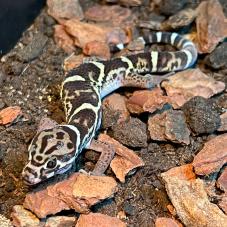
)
(51, 152)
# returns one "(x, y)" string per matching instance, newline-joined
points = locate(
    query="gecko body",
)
(54, 150)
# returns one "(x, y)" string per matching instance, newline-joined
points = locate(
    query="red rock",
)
(97, 219)
(22, 217)
(212, 157)
(191, 202)
(84, 33)
(99, 49)
(114, 15)
(126, 159)
(71, 194)
(223, 126)
(166, 222)
(211, 25)
(184, 85)
(169, 125)
(222, 181)
(73, 61)
(146, 100)
(60, 221)
(63, 40)
(65, 9)
(9, 114)
(184, 172)
(223, 203)
(117, 103)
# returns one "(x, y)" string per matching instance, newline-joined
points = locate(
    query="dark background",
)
(15, 17)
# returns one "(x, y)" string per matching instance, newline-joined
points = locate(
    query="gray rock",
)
(170, 7)
(131, 133)
(217, 59)
(34, 48)
(202, 115)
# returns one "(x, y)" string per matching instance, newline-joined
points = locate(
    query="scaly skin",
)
(53, 151)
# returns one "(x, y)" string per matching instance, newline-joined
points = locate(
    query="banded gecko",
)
(54, 150)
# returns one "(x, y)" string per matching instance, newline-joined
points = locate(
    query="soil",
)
(32, 82)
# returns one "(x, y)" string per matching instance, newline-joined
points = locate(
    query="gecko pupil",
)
(52, 163)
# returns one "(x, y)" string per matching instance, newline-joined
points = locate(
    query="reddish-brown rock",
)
(65, 9)
(99, 49)
(116, 103)
(211, 25)
(22, 217)
(146, 100)
(222, 180)
(191, 202)
(125, 160)
(114, 15)
(166, 222)
(60, 221)
(78, 192)
(169, 125)
(84, 33)
(184, 172)
(189, 83)
(100, 220)
(223, 203)
(73, 61)
(63, 40)
(9, 114)
(212, 157)
(223, 126)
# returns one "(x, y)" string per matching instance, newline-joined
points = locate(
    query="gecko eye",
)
(52, 163)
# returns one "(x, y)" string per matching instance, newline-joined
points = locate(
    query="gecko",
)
(54, 150)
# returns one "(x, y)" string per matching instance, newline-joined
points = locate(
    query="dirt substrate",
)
(31, 79)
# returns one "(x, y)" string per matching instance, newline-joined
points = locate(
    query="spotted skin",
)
(54, 150)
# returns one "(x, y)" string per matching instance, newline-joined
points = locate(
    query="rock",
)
(217, 58)
(5, 222)
(170, 7)
(189, 83)
(10, 114)
(166, 222)
(201, 115)
(114, 110)
(154, 22)
(99, 49)
(129, 209)
(191, 202)
(131, 2)
(223, 203)
(23, 218)
(63, 40)
(212, 157)
(145, 100)
(181, 19)
(78, 192)
(73, 61)
(114, 16)
(84, 33)
(125, 160)
(223, 126)
(222, 181)
(170, 125)
(97, 219)
(34, 48)
(211, 25)
(60, 221)
(67, 9)
(131, 133)
(184, 172)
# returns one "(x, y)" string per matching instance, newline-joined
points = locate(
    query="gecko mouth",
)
(64, 169)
